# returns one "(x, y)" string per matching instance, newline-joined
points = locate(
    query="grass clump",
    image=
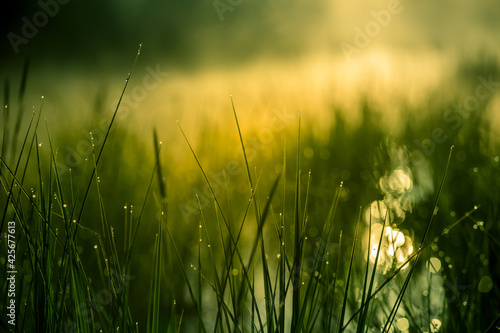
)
(285, 256)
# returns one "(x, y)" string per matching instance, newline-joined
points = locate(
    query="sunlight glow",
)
(395, 249)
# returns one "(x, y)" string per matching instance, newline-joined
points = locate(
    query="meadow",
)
(343, 212)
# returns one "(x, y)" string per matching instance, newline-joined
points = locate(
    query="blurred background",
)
(380, 85)
(318, 57)
(262, 51)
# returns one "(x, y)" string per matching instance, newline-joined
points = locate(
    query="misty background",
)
(198, 34)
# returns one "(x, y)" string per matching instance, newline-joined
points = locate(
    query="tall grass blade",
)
(183, 272)
(297, 244)
(394, 310)
(348, 280)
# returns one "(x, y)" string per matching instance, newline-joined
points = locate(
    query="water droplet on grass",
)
(434, 265)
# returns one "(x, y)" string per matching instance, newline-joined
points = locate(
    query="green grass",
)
(294, 253)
